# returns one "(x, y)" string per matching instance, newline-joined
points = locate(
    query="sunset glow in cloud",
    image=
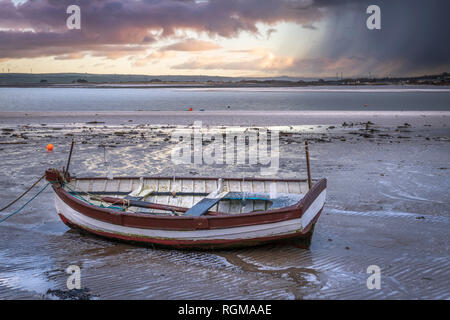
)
(220, 37)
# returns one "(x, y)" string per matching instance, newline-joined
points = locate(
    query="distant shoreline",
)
(215, 85)
(85, 80)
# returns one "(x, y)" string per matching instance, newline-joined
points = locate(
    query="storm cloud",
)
(414, 37)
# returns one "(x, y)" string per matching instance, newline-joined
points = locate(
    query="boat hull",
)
(300, 240)
(294, 225)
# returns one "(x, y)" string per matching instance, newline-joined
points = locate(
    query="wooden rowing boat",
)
(183, 212)
(158, 210)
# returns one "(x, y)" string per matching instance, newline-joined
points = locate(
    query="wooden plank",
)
(205, 204)
(176, 187)
(93, 185)
(246, 186)
(199, 185)
(211, 185)
(201, 207)
(259, 205)
(191, 188)
(223, 206)
(164, 186)
(111, 185)
(234, 186)
(235, 206)
(304, 187)
(294, 187)
(128, 185)
(183, 201)
(258, 186)
(135, 183)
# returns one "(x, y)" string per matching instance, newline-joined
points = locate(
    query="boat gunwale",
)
(246, 179)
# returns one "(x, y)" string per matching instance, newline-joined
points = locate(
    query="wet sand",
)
(388, 204)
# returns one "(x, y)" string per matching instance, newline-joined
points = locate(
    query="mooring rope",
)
(26, 203)
(77, 195)
(26, 191)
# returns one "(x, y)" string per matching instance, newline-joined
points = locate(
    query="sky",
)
(268, 38)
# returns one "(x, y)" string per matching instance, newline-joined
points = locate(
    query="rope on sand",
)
(26, 203)
(26, 191)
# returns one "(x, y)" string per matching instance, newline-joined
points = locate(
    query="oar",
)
(201, 207)
(140, 204)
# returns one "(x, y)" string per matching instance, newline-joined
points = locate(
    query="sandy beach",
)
(388, 204)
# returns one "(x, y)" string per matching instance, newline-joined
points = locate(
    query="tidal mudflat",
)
(388, 204)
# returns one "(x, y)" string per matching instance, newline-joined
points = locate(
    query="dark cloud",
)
(413, 38)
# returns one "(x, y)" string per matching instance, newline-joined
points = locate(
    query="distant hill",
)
(68, 78)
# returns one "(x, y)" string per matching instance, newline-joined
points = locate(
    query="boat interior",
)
(241, 195)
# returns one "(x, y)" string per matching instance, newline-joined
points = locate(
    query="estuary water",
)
(343, 98)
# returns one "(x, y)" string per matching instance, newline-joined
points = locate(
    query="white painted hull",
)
(253, 232)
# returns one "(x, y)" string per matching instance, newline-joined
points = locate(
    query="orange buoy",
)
(49, 147)
(190, 109)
